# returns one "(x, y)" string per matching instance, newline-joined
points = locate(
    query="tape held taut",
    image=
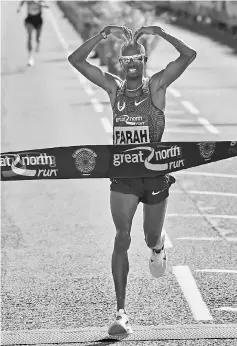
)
(112, 161)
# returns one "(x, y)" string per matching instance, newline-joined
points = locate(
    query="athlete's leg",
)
(29, 29)
(123, 207)
(153, 220)
(38, 35)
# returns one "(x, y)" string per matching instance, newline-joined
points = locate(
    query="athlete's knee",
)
(152, 240)
(122, 241)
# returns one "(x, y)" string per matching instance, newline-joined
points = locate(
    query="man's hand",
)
(146, 30)
(121, 32)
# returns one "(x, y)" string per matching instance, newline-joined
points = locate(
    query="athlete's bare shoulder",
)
(114, 81)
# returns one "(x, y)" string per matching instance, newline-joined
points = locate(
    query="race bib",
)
(131, 135)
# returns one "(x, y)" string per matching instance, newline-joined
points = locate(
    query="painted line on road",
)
(227, 308)
(174, 111)
(53, 21)
(228, 217)
(106, 124)
(180, 130)
(229, 271)
(200, 238)
(168, 244)
(232, 239)
(203, 121)
(191, 293)
(211, 193)
(211, 128)
(89, 90)
(179, 121)
(190, 107)
(174, 92)
(207, 174)
(97, 105)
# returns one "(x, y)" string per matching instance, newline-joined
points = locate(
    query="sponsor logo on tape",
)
(233, 148)
(21, 164)
(155, 156)
(85, 160)
(206, 149)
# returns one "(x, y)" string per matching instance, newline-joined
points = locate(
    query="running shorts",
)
(36, 21)
(149, 190)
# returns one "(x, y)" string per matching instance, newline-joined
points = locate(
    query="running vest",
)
(34, 8)
(136, 120)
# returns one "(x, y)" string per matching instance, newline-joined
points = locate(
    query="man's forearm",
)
(181, 46)
(84, 50)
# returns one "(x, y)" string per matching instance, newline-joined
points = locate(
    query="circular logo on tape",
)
(207, 149)
(85, 160)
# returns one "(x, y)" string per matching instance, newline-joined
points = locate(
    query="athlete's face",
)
(132, 61)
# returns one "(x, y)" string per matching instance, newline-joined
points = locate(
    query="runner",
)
(33, 22)
(138, 106)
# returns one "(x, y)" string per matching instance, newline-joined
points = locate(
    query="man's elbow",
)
(192, 55)
(71, 59)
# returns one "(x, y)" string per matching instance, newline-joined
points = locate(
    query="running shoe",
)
(31, 61)
(120, 327)
(158, 260)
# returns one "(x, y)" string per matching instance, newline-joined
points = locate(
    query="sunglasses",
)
(133, 58)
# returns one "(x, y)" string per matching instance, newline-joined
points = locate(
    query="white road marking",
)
(174, 111)
(190, 107)
(203, 121)
(230, 217)
(181, 130)
(211, 128)
(229, 271)
(213, 193)
(53, 21)
(168, 243)
(89, 90)
(106, 124)
(179, 121)
(234, 239)
(83, 79)
(199, 238)
(97, 105)
(207, 174)
(227, 308)
(174, 92)
(191, 293)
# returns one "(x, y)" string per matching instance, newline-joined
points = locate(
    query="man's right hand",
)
(121, 32)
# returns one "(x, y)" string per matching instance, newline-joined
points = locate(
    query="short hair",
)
(133, 44)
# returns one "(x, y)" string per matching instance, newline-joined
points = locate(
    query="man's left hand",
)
(146, 30)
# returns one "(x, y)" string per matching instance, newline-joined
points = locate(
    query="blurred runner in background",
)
(138, 105)
(32, 22)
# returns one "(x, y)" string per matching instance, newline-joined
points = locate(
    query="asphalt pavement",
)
(57, 236)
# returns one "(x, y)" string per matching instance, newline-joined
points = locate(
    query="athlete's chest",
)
(139, 104)
(131, 118)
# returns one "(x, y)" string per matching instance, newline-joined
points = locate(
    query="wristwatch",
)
(103, 34)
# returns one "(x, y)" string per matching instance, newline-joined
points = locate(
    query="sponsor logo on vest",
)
(119, 107)
(85, 160)
(130, 120)
(207, 149)
(159, 155)
(138, 103)
(19, 162)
